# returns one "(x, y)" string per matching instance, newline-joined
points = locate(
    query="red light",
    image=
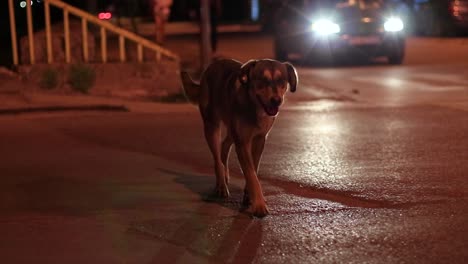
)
(105, 16)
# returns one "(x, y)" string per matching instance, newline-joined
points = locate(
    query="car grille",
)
(361, 28)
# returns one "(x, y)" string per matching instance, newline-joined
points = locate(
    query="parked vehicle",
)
(441, 17)
(324, 30)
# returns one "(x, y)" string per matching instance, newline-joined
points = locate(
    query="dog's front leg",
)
(257, 150)
(213, 136)
(258, 206)
(258, 145)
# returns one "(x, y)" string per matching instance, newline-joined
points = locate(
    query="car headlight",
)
(325, 27)
(393, 24)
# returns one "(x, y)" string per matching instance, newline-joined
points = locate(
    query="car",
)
(325, 30)
(441, 17)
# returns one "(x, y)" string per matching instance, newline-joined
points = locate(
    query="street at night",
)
(366, 164)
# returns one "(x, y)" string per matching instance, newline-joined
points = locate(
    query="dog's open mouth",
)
(271, 110)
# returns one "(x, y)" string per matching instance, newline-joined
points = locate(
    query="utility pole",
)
(205, 44)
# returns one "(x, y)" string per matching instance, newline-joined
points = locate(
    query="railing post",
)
(32, 56)
(140, 53)
(104, 26)
(103, 45)
(14, 41)
(66, 26)
(122, 48)
(84, 29)
(158, 56)
(50, 58)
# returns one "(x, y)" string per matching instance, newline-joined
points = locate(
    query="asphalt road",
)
(366, 164)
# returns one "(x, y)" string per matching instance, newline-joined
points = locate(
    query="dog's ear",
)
(244, 74)
(293, 78)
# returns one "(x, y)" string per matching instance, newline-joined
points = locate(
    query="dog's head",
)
(267, 82)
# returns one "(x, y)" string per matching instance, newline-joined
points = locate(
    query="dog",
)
(245, 98)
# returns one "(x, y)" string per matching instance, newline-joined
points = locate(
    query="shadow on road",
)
(215, 227)
(203, 186)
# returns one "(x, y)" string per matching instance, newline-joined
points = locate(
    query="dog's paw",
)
(221, 191)
(258, 210)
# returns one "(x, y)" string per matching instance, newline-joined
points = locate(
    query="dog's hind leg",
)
(225, 150)
(213, 138)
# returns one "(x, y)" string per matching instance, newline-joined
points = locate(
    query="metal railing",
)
(86, 18)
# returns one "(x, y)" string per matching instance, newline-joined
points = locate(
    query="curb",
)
(59, 108)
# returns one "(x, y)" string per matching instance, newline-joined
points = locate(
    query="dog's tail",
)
(191, 88)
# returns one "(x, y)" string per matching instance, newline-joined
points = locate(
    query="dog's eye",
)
(266, 82)
(279, 82)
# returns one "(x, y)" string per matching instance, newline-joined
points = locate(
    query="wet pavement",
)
(349, 184)
(364, 165)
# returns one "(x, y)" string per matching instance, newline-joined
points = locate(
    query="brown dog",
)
(246, 98)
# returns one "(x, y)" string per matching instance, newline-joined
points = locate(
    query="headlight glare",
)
(393, 24)
(325, 27)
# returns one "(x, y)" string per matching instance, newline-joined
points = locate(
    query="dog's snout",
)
(276, 101)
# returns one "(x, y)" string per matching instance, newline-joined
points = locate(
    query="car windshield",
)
(363, 4)
(300, 10)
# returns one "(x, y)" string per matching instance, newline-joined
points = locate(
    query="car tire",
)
(396, 53)
(395, 59)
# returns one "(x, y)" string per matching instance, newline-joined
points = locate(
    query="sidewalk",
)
(17, 98)
(20, 102)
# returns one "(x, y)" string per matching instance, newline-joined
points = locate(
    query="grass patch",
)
(49, 79)
(81, 77)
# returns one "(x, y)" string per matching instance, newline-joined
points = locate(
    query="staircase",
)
(100, 41)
